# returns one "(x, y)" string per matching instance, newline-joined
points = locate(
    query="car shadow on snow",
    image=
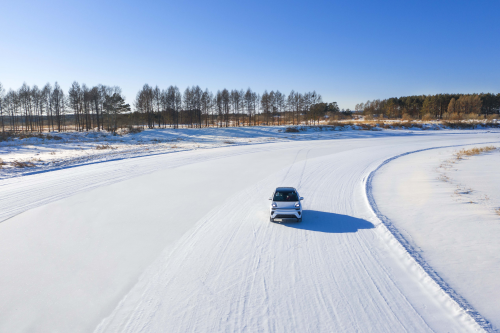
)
(329, 222)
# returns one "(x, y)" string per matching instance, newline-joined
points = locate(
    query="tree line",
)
(37, 109)
(440, 106)
(33, 108)
(196, 107)
(101, 107)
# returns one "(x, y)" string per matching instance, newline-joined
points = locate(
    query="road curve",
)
(339, 270)
(414, 254)
(74, 243)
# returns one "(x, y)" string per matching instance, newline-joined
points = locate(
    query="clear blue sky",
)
(348, 51)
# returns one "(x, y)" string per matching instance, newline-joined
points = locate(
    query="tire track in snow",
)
(338, 197)
(20, 194)
(292, 164)
(413, 253)
(318, 179)
(306, 280)
(303, 169)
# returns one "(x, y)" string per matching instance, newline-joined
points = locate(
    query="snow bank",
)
(446, 214)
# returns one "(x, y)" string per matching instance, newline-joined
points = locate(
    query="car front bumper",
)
(286, 215)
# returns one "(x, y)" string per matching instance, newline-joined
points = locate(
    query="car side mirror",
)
(301, 198)
(270, 198)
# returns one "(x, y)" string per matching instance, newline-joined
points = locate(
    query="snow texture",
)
(67, 149)
(182, 242)
(443, 210)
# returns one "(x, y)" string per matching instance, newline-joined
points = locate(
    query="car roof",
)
(285, 189)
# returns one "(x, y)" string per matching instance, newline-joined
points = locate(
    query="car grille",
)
(285, 216)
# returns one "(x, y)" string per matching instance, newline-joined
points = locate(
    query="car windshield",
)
(285, 196)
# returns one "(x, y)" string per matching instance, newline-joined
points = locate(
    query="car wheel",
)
(271, 219)
(299, 219)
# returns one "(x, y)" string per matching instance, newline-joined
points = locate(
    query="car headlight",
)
(297, 205)
(274, 205)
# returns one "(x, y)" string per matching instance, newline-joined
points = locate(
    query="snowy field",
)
(138, 240)
(59, 150)
(449, 211)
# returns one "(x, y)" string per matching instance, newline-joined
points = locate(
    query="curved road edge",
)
(414, 254)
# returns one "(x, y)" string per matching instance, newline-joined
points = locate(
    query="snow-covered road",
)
(194, 227)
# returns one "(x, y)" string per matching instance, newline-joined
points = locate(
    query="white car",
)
(285, 205)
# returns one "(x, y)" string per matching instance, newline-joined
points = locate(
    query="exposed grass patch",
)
(291, 130)
(229, 142)
(133, 130)
(443, 178)
(470, 123)
(377, 124)
(473, 151)
(8, 136)
(21, 164)
(53, 137)
(106, 146)
(407, 123)
(461, 191)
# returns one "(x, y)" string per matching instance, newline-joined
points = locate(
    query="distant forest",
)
(101, 107)
(441, 106)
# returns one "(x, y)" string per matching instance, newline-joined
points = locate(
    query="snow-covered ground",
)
(446, 209)
(182, 242)
(60, 150)
(55, 150)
